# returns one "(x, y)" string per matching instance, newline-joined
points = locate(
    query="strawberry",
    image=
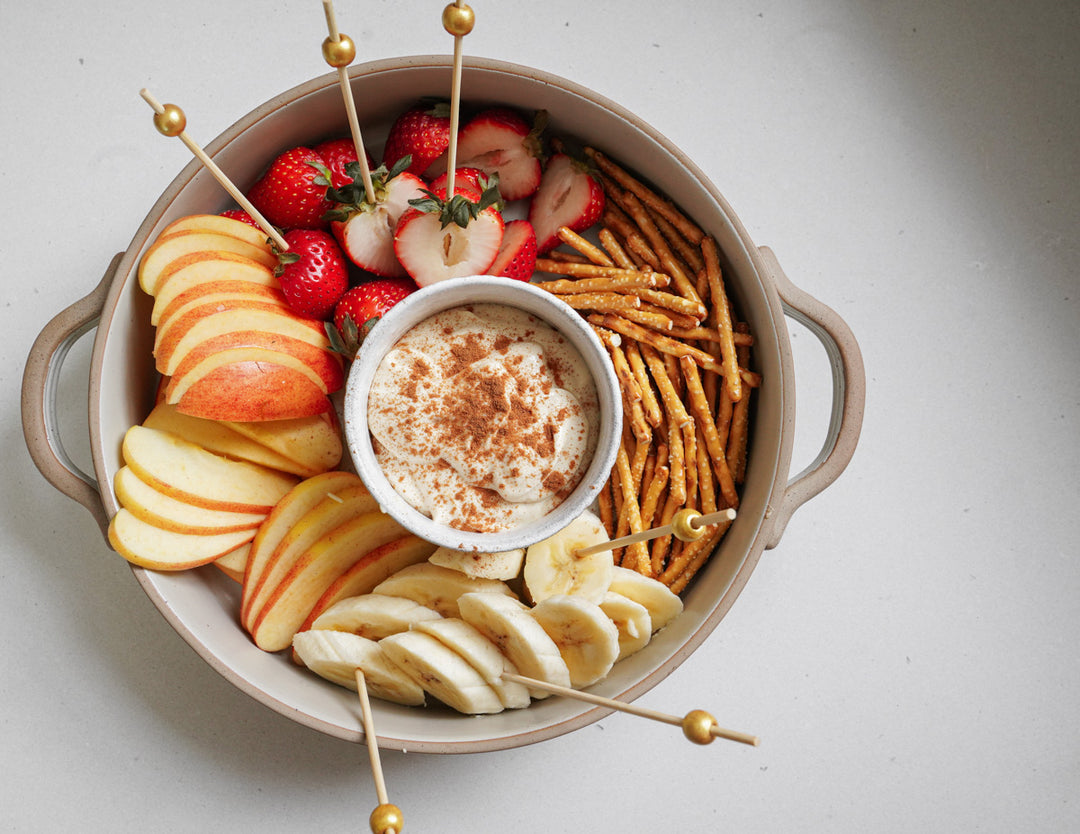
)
(500, 140)
(361, 306)
(517, 254)
(337, 153)
(438, 239)
(241, 215)
(288, 195)
(312, 272)
(364, 226)
(568, 196)
(472, 177)
(422, 132)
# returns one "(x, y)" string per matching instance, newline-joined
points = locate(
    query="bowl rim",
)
(457, 292)
(777, 474)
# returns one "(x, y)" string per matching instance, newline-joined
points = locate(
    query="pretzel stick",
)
(640, 247)
(660, 246)
(630, 279)
(700, 334)
(646, 318)
(700, 409)
(567, 257)
(636, 553)
(606, 505)
(673, 405)
(706, 488)
(595, 254)
(693, 556)
(662, 545)
(614, 249)
(670, 301)
(685, 249)
(656, 340)
(576, 270)
(689, 433)
(722, 317)
(740, 419)
(602, 302)
(664, 208)
(649, 404)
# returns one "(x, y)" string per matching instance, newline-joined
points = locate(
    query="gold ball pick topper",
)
(697, 726)
(171, 121)
(682, 525)
(458, 20)
(386, 818)
(339, 53)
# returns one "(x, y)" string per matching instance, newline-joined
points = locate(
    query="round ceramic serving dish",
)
(201, 604)
(446, 295)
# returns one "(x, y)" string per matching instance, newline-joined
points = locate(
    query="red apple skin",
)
(254, 392)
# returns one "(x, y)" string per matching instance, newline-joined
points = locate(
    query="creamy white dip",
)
(483, 417)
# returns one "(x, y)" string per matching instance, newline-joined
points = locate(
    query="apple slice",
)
(292, 599)
(321, 366)
(219, 438)
(313, 442)
(197, 268)
(252, 390)
(292, 507)
(188, 473)
(207, 321)
(225, 290)
(318, 522)
(164, 251)
(160, 549)
(233, 563)
(219, 225)
(147, 504)
(370, 571)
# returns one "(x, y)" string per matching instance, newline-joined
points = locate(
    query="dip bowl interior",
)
(446, 295)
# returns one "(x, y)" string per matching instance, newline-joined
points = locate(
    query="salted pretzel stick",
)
(722, 317)
(652, 319)
(706, 477)
(635, 555)
(669, 301)
(602, 302)
(668, 261)
(649, 404)
(673, 318)
(656, 340)
(698, 334)
(629, 279)
(637, 245)
(614, 249)
(689, 432)
(607, 338)
(694, 555)
(594, 253)
(740, 419)
(662, 545)
(567, 257)
(676, 463)
(684, 248)
(590, 270)
(700, 409)
(651, 496)
(606, 505)
(663, 207)
(669, 397)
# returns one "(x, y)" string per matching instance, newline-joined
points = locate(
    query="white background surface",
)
(908, 653)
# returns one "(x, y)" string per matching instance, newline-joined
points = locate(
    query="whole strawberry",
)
(337, 153)
(241, 215)
(363, 304)
(287, 194)
(312, 272)
(422, 132)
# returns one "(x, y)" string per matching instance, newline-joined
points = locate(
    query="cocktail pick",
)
(687, 525)
(339, 51)
(386, 818)
(697, 725)
(458, 20)
(170, 120)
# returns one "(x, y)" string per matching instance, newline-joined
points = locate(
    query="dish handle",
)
(848, 400)
(39, 387)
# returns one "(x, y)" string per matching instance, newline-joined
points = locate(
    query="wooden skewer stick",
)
(697, 725)
(687, 525)
(458, 20)
(170, 120)
(339, 51)
(386, 818)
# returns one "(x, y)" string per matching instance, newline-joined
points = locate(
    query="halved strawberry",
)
(361, 306)
(438, 239)
(568, 196)
(312, 273)
(337, 153)
(422, 132)
(365, 226)
(500, 141)
(517, 253)
(287, 195)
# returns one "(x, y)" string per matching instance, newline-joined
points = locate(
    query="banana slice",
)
(442, 672)
(632, 621)
(336, 655)
(510, 625)
(588, 641)
(482, 655)
(504, 565)
(437, 587)
(552, 568)
(663, 605)
(374, 616)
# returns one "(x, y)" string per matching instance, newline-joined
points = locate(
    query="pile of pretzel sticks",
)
(653, 291)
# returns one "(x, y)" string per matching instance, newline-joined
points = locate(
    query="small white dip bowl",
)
(445, 295)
